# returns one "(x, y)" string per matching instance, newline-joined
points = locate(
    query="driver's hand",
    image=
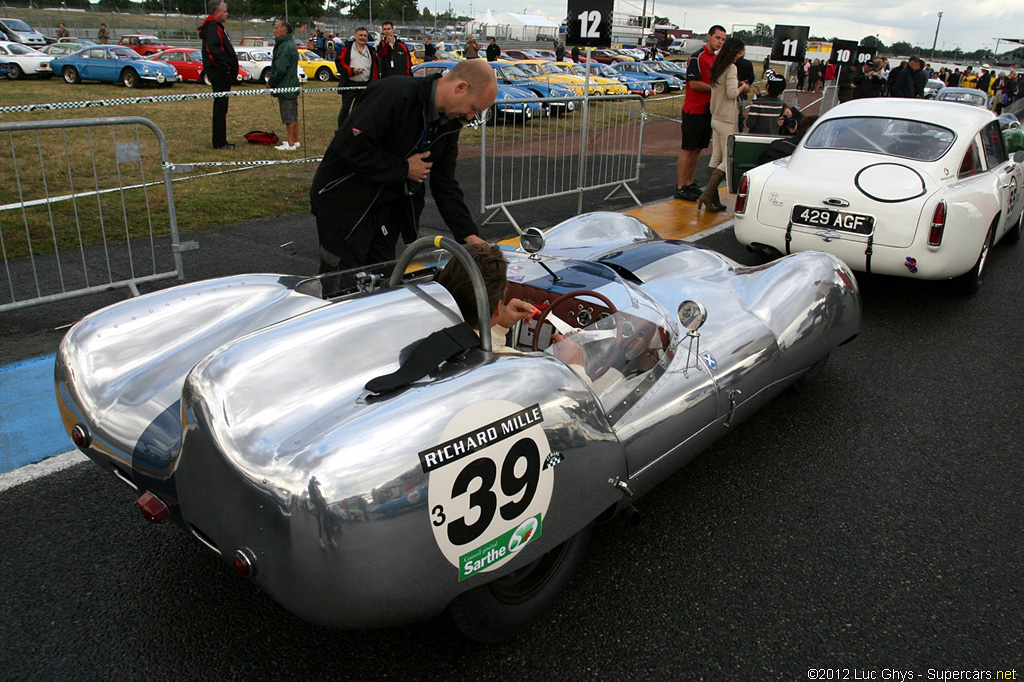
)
(566, 350)
(514, 311)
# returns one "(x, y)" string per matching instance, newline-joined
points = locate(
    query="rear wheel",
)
(71, 76)
(323, 74)
(501, 608)
(130, 78)
(970, 282)
(659, 87)
(1013, 235)
(810, 376)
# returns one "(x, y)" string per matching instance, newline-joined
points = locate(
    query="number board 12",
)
(589, 23)
(790, 43)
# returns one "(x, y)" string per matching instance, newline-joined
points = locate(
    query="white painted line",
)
(31, 472)
(708, 232)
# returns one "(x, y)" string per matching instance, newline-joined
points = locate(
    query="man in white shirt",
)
(357, 66)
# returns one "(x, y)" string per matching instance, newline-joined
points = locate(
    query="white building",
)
(508, 26)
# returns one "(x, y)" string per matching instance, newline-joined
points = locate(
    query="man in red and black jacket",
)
(357, 68)
(221, 66)
(393, 55)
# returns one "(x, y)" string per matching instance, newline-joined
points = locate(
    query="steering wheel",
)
(611, 309)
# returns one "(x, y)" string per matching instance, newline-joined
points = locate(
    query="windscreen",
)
(889, 136)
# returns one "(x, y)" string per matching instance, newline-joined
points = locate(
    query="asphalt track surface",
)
(870, 523)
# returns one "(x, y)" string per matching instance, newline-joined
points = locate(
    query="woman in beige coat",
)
(725, 89)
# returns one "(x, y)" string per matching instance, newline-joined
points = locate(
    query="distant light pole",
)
(936, 39)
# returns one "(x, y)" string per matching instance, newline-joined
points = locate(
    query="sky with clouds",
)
(971, 24)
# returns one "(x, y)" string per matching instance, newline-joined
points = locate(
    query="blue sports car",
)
(523, 110)
(510, 74)
(660, 82)
(111, 64)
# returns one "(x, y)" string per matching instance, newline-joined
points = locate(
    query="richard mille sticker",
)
(489, 488)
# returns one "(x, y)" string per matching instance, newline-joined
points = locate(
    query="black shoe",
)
(226, 145)
(690, 192)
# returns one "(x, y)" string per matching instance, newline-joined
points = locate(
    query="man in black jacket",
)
(393, 54)
(369, 186)
(493, 51)
(221, 65)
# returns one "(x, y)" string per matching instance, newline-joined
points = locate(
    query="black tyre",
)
(323, 74)
(970, 281)
(205, 78)
(71, 76)
(16, 73)
(659, 87)
(265, 76)
(501, 608)
(130, 78)
(810, 376)
(1013, 235)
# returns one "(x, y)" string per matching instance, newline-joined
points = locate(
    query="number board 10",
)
(844, 52)
(790, 43)
(589, 23)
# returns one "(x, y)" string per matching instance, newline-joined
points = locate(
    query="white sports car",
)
(25, 61)
(916, 189)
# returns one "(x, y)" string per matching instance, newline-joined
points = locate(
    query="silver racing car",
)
(346, 445)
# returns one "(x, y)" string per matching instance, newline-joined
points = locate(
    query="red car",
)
(143, 44)
(188, 62)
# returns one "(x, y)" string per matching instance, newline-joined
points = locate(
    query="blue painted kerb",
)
(30, 425)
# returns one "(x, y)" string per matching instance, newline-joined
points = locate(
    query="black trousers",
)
(348, 97)
(372, 241)
(220, 111)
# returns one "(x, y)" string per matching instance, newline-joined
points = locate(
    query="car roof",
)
(947, 114)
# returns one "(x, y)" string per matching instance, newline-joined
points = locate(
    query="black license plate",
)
(830, 219)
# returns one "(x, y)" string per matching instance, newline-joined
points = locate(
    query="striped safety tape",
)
(53, 106)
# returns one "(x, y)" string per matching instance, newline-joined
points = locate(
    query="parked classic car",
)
(317, 67)
(24, 61)
(188, 62)
(971, 96)
(501, 110)
(511, 74)
(922, 190)
(145, 45)
(254, 409)
(111, 64)
(659, 82)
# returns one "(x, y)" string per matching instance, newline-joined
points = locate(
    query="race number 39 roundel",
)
(489, 484)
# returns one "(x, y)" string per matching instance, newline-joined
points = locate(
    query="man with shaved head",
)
(404, 132)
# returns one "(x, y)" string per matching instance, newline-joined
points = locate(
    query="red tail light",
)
(938, 224)
(741, 195)
(153, 508)
(245, 562)
(80, 436)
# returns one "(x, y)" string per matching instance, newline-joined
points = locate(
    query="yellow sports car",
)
(610, 85)
(316, 66)
(547, 72)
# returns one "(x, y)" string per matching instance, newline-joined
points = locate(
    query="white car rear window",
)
(889, 136)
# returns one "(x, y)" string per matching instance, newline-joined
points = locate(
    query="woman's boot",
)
(709, 199)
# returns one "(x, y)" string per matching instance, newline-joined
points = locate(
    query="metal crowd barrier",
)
(596, 146)
(86, 205)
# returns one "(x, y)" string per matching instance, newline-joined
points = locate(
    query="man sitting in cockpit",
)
(494, 268)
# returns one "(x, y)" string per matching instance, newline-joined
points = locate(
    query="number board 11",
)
(790, 43)
(589, 23)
